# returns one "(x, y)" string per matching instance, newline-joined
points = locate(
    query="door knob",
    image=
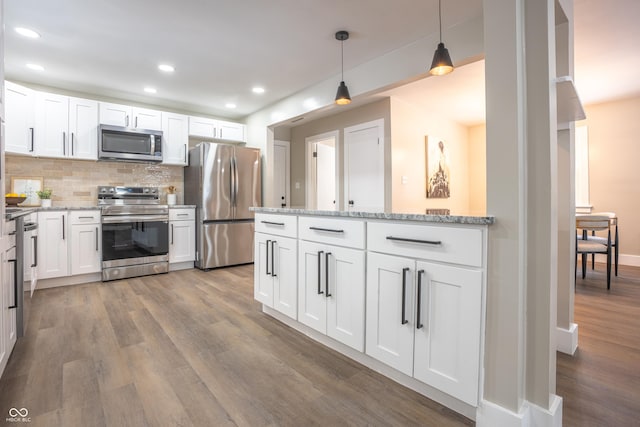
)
(351, 202)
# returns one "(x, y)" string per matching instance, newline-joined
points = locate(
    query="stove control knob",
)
(153, 190)
(146, 190)
(111, 190)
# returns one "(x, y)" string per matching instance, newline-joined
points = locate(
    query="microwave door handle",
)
(153, 145)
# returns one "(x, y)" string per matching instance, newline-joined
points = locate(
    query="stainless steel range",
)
(135, 232)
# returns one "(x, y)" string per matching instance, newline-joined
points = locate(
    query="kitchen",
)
(253, 129)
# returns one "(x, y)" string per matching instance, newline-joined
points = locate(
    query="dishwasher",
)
(30, 265)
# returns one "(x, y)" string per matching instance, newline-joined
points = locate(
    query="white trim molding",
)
(490, 415)
(567, 339)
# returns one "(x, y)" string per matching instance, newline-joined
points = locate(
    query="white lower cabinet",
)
(53, 244)
(331, 291)
(182, 235)
(423, 319)
(275, 261)
(85, 248)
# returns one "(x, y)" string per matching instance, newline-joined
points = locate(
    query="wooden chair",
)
(615, 243)
(586, 246)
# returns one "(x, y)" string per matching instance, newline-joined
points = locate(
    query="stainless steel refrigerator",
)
(223, 181)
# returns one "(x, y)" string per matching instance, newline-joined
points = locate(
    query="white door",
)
(326, 175)
(175, 139)
(285, 289)
(182, 247)
(115, 114)
(19, 118)
(85, 249)
(262, 278)
(282, 174)
(53, 232)
(345, 303)
(312, 299)
(52, 125)
(144, 118)
(390, 297)
(83, 125)
(447, 340)
(364, 167)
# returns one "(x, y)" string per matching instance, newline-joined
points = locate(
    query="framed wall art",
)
(27, 185)
(437, 168)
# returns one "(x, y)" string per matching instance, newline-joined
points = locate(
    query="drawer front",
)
(182, 214)
(84, 217)
(439, 243)
(280, 225)
(333, 231)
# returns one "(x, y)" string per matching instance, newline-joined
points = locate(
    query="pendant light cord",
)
(342, 60)
(440, 18)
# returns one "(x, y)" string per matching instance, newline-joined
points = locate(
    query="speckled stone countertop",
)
(449, 219)
(12, 212)
(21, 211)
(182, 206)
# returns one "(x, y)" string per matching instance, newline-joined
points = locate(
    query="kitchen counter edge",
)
(447, 219)
(22, 211)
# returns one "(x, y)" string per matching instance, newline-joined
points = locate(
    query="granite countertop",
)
(12, 212)
(450, 219)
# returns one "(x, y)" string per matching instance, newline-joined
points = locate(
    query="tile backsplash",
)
(75, 182)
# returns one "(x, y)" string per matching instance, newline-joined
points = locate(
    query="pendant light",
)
(441, 63)
(342, 96)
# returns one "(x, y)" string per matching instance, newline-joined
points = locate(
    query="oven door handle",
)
(121, 219)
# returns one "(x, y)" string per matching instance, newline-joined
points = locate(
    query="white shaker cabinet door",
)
(83, 128)
(115, 114)
(182, 244)
(144, 118)
(52, 125)
(19, 118)
(312, 301)
(53, 232)
(390, 298)
(447, 339)
(263, 280)
(284, 254)
(175, 139)
(85, 249)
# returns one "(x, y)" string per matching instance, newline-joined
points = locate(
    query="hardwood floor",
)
(190, 348)
(600, 384)
(193, 348)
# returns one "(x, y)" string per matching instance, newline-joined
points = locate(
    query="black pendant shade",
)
(441, 63)
(342, 96)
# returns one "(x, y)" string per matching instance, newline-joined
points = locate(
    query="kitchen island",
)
(403, 294)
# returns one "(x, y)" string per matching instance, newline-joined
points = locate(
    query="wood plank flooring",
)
(193, 348)
(190, 348)
(600, 384)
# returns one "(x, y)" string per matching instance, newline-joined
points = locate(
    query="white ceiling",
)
(222, 49)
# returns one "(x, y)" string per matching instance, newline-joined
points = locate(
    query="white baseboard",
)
(181, 266)
(68, 280)
(624, 259)
(567, 339)
(490, 415)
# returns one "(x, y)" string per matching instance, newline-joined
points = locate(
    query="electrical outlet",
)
(297, 185)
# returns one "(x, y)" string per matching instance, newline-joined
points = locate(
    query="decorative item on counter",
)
(13, 199)
(171, 195)
(27, 186)
(45, 197)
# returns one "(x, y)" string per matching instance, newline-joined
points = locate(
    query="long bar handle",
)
(172, 234)
(72, 143)
(424, 242)
(96, 239)
(64, 143)
(280, 224)
(32, 139)
(63, 232)
(419, 325)
(267, 259)
(273, 256)
(320, 292)
(404, 295)
(15, 283)
(326, 274)
(330, 230)
(35, 251)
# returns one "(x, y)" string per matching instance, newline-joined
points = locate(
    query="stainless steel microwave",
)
(129, 144)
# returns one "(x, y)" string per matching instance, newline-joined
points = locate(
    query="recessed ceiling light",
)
(27, 33)
(35, 67)
(150, 90)
(230, 105)
(166, 68)
(258, 89)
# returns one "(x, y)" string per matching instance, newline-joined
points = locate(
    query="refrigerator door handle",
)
(232, 181)
(237, 181)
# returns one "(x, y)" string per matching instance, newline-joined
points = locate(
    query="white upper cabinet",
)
(19, 119)
(65, 127)
(175, 133)
(127, 116)
(216, 129)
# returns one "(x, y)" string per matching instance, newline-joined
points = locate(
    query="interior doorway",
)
(322, 158)
(281, 174)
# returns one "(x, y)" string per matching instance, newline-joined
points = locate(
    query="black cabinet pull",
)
(330, 230)
(326, 274)
(172, 234)
(425, 242)
(273, 255)
(404, 295)
(419, 325)
(320, 292)
(32, 136)
(15, 283)
(267, 260)
(35, 251)
(280, 224)
(63, 233)
(96, 239)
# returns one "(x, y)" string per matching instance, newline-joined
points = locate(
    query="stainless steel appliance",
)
(223, 181)
(129, 144)
(135, 232)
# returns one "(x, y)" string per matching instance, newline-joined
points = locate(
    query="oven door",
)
(134, 239)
